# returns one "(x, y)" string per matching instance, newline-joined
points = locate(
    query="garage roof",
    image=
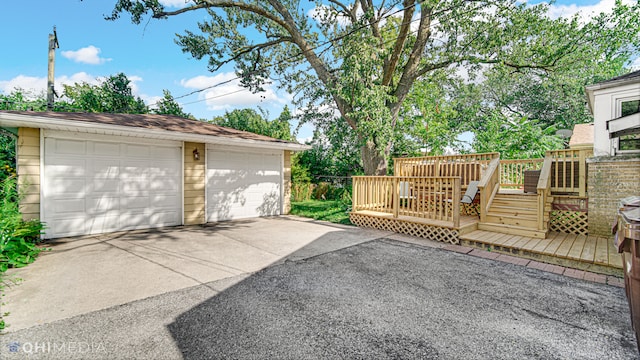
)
(143, 125)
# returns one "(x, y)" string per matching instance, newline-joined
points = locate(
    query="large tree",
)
(363, 57)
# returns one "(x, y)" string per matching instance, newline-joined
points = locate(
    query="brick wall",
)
(194, 184)
(28, 159)
(610, 179)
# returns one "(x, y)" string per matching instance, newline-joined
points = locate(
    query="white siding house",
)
(615, 105)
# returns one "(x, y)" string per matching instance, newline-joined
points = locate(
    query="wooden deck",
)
(438, 230)
(467, 223)
(593, 253)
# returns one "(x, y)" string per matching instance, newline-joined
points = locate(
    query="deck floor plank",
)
(602, 253)
(523, 242)
(544, 243)
(484, 236)
(555, 244)
(512, 241)
(615, 259)
(589, 251)
(532, 244)
(576, 249)
(565, 247)
(499, 240)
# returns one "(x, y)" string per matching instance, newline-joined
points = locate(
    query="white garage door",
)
(103, 184)
(243, 183)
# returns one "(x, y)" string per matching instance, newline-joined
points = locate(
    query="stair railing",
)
(544, 191)
(489, 186)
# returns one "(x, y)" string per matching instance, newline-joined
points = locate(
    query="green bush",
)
(301, 191)
(328, 191)
(18, 238)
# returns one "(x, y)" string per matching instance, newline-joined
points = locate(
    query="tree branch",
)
(318, 65)
(367, 5)
(205, 4)
(410, 70)
(251, 48)
(351, 13)
(390, 65)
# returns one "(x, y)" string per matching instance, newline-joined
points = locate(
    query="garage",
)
(243, 183)
(97, 183)
(94, 173)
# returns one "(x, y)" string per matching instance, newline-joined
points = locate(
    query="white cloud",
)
(38, 85)
(175, 3)
(586, 11)
(229, 95)
(86, 55)
(635, 64)
(133, 83)
(151, 101)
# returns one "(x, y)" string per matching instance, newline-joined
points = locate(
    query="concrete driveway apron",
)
(85, 274)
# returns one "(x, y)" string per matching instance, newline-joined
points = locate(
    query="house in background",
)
(615, 105)
(88, 173)
(582, 136)
(614, 171)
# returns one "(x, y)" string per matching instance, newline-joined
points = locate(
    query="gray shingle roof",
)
(155, 122)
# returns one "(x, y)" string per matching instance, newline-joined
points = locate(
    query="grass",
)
(328, 210)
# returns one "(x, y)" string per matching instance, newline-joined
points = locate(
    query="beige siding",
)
(194, 184)
(610, 179)
(28, 159)
(286, 194)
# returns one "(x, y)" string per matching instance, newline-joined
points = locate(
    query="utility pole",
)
(53, 45)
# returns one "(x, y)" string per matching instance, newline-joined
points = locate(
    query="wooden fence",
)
(468, 167)
(434, 198)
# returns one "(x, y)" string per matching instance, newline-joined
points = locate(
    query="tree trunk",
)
(373, 161)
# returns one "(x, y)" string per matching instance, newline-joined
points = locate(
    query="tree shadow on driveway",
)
(386, 299)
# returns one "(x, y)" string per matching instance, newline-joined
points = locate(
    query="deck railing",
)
(568, 170)
(544, 191)
(512, 172)
(489, 186)
(469, 167)
(435, 198)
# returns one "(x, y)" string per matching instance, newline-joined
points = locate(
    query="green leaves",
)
(356, 63)
(252, 121)
(18, 238)
(168, 106)
(113, 95)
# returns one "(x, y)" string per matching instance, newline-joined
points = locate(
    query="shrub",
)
(18, 238)
(301, 191)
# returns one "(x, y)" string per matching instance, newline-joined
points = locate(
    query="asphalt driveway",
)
(374, 298)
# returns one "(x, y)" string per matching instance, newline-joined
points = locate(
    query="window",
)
(624, 128)
(630, 107)
(629, 142)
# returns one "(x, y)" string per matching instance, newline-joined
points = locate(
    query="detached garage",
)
(96, 173)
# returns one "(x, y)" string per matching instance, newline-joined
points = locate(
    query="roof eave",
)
(43, 122)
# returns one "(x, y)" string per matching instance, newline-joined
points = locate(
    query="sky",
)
(92, 48)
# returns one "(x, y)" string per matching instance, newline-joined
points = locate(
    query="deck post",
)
(456, 203)
(355, 197)
(395, 185)
(582, 178)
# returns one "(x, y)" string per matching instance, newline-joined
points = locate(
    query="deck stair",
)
(515, 214)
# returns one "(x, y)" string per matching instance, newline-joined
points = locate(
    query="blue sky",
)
(93, 48)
